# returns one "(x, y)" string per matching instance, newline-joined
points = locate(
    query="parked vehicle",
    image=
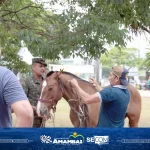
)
(143, 86)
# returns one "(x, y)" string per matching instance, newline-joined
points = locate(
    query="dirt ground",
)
(62, 113)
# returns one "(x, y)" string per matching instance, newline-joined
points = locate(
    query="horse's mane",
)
(67, 73)
(74, 76)
(50, 73)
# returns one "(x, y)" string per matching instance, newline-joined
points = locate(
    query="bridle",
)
(60, 89)
(83, 114)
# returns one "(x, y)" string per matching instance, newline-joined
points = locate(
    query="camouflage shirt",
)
(31, 87)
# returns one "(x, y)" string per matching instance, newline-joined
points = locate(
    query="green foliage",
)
(127, 57)
(146, 63)
(81, 33)
(23, 20)
(9, 49)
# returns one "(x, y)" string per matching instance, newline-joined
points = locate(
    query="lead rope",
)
(82, 115)
(50, 120)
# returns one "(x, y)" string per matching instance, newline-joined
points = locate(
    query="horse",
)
(56, 85)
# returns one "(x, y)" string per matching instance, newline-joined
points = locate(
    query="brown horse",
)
(56, 86)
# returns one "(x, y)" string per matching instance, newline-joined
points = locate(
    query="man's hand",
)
(95, 84)
(85, 97)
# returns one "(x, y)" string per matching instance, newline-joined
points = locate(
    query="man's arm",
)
(85, 97)
(15, 97)
(23, 112)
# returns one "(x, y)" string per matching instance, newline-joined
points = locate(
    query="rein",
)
(82, 113)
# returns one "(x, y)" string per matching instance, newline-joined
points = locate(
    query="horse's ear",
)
(59, 72)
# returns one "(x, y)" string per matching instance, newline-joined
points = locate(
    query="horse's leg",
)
(133, 120)
(133, 114)
(74, 118)
(134, 107)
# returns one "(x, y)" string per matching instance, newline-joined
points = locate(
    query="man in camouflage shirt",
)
(31, 86)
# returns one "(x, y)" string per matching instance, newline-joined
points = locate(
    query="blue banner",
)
(75, 138)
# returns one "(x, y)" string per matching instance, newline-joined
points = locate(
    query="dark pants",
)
(37, 123)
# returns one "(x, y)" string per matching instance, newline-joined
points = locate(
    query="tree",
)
(129, 57)
(105, 21)
(24, 20)
(126, 56)
(81, 33)
(147, 62)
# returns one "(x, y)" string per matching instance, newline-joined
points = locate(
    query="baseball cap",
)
(39, 60)
(121, 73)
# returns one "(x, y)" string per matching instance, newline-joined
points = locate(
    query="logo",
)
(72, 139)
(45, 139)
(75, 135)
(99, 139)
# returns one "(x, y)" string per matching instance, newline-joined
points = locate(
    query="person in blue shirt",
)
(114, 99)
(148, 83)
(13, 98)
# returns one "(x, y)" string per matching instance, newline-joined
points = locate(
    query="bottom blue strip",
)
(74, 138)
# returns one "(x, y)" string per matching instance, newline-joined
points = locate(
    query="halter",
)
(61, 88)
(82, 114)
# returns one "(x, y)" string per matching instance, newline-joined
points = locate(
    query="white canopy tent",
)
(25, 54)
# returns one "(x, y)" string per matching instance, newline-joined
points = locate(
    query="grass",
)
(62, 115)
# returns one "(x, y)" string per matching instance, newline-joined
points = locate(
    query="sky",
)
(140, 42)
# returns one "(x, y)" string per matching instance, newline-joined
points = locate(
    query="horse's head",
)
(51, 92)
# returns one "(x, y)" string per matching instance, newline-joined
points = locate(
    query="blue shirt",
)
(114, 103)
(11, 91)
